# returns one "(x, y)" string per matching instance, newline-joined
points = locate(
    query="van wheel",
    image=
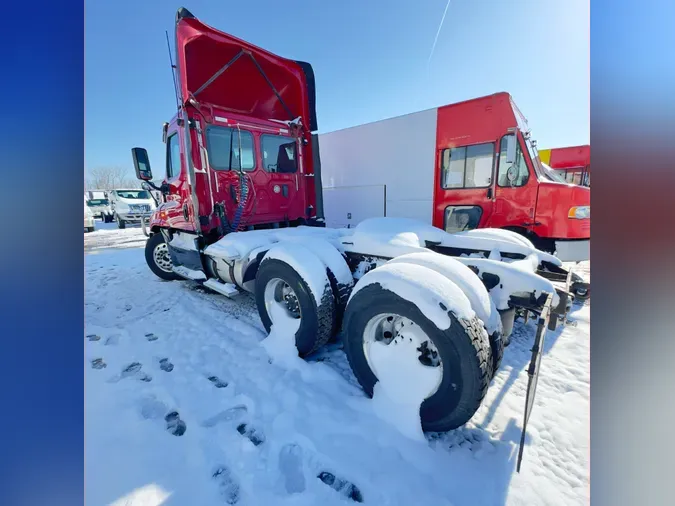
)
(158, 258)
(284, 299)
(459, 356)
(120, 222)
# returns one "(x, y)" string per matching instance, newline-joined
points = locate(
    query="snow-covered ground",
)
(185, 406)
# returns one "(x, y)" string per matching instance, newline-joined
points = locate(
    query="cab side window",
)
(278, 154)
(225, 151)
(172, 156)
(467, 166)
(520, 171)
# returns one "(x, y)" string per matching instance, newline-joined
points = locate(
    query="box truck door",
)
(517, 185)
(465, 187)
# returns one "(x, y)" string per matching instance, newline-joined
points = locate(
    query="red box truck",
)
(572, 163)
(459, 167)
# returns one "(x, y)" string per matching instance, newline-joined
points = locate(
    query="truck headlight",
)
(580, 212)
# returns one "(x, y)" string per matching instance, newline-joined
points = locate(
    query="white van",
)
(131, 206)
(88, 219)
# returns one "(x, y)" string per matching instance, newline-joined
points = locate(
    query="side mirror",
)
(511, 143)
(141, 164)
(165, 129)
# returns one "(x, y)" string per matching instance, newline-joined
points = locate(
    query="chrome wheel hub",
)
(162, 258)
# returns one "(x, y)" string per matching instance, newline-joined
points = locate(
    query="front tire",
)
(158, 258)
(120, 222)
(463, 350)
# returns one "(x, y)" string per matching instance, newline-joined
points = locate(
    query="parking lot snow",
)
(184, 405)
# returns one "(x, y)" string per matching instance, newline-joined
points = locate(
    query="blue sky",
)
(370, 58)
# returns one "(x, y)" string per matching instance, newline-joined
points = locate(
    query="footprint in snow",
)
(228, 415)
(174, 424)
(165, 365)
(227, 483)
(151, 337)
(254, 435)
(290, 465)
(98, 363)
(112, 340)
(133, 370)
(217, 382)
(152, 408)
(343, 487)
(93, 337)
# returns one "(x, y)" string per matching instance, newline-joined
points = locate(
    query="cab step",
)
(194, 275)
(226, 289)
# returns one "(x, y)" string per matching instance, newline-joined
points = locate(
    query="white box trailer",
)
(379, 169)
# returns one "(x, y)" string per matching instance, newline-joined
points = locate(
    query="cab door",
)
(279, 182)
(178, 196)
(516, 189)
(464, 187)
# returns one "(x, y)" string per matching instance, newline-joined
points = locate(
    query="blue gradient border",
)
(41, 259)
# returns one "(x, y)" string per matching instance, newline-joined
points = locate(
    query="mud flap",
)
(533, 370)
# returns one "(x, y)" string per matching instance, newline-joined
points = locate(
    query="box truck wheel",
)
(285, 301)
(158, 258)
(460, 354)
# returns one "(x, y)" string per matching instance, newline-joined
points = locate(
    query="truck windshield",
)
(133, 194)
(532, 148)
(97, 202)
(551, 174)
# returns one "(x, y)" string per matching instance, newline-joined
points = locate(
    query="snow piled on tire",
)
(434, 295)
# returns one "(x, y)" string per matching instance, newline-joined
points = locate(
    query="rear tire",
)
(90, 229)
(463, 348)
(158, 259)
(315, 323)
(497, 349)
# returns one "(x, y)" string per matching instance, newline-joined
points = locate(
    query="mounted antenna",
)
(173, 70)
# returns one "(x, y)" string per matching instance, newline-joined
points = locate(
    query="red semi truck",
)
(572, 163)
(242, 211)
(459, 167)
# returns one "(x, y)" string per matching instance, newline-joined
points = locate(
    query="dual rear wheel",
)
(456, 364)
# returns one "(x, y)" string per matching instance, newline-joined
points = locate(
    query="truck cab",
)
(239, 154)
(489, 174)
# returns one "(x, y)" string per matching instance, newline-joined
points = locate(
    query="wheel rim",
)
(401, 354)
(282, 305)
(162, 258)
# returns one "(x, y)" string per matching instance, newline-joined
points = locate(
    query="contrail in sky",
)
(440, 25)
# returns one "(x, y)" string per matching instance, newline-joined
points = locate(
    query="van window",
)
(467, 166)
(278, 154)
(222, 144)
(520, 166)
(461, 218)
(173, 156)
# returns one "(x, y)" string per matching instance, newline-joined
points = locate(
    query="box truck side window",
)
(468, 166)
(461, 218)
(223, 147)
(278, 154)
(173, 156)
(521, 172)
